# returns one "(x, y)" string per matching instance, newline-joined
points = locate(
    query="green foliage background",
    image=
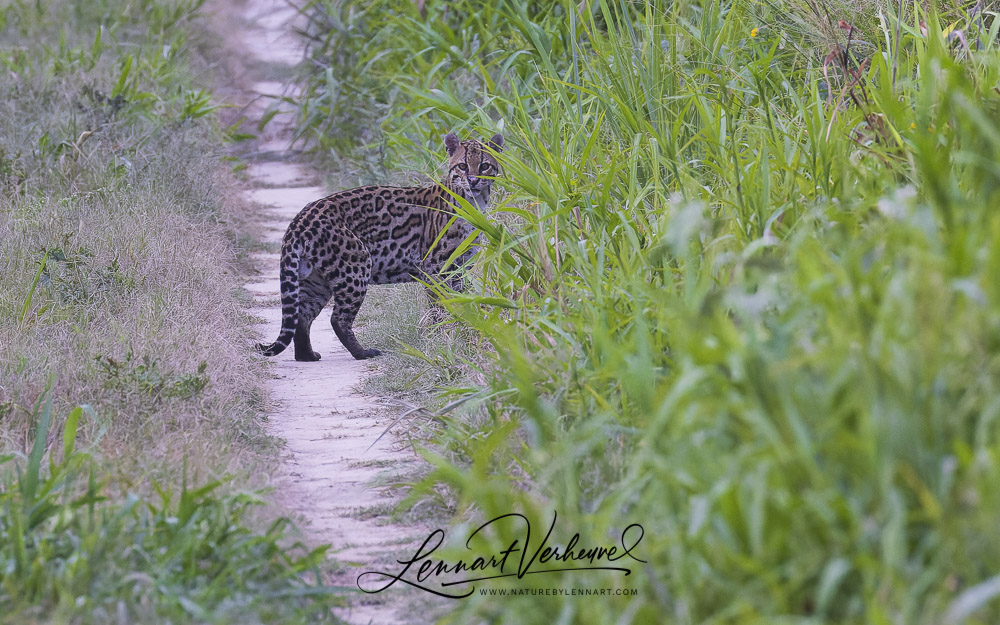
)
(742, 290)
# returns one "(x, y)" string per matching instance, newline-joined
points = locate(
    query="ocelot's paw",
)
(365, 354)
(308, 357)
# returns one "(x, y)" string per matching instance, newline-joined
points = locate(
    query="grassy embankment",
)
(128, 399)
(743, 291)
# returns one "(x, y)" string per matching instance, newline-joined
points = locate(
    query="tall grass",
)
(742, 292)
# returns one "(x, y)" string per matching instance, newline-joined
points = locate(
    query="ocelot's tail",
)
(289, 304)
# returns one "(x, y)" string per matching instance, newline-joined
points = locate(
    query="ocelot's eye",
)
(485, 167)
(463, 167)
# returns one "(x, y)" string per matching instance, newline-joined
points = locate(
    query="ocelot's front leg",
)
(349, 280)
(436, 312)
(457, 283)
(342, 322)
(453, 277)
(434, 296)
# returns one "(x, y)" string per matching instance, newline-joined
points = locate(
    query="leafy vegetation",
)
(121, 326)
(742, 291)
(72, 554)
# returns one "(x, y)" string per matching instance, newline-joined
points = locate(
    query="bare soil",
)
(335, 465)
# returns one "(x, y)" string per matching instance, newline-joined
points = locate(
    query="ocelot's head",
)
(471, 168)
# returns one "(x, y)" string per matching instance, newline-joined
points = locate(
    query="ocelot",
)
(339, 245)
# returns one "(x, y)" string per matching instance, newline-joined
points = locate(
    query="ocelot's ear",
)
(496, 143)
(451, 143)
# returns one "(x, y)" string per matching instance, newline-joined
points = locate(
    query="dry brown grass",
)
(138, 311)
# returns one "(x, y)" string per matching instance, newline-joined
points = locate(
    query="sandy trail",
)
(332, 459)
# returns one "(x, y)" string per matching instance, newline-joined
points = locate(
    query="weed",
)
(197, 104)
(742, 292)
(188, 553)
(146, 376)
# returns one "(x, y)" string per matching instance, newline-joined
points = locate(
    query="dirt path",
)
(331, 464)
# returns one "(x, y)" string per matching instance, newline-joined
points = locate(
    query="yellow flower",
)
(913, 125)
(753, 33)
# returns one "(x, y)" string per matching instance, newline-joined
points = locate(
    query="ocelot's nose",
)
(474, 183)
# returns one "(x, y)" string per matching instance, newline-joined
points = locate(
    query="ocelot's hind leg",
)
(349, 281)
(313, 296)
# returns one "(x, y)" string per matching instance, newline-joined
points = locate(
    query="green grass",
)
(742, 291)
(76, 554)
(123, 326)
